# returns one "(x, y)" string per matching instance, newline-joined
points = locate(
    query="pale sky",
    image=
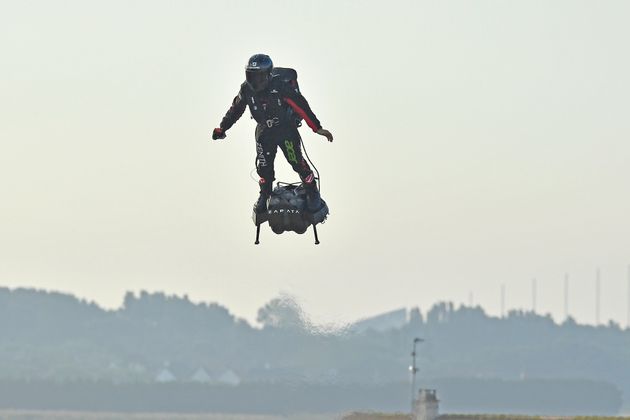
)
(476, 143)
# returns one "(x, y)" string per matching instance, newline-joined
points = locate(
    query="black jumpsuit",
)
(276, 110)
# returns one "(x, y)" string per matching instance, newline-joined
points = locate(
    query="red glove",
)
(218, 134)
(325, 133)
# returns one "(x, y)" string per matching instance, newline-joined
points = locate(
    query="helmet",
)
(258, 71)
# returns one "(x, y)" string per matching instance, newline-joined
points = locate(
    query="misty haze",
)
(474, 261)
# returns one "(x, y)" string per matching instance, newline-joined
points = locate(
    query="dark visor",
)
(257, 79)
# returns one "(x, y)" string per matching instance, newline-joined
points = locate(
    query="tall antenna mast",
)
(628, 325)
(598, 287)
(566, 295)
(503, 300)
(534, 292)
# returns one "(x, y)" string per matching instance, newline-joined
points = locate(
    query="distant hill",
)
(56, 337)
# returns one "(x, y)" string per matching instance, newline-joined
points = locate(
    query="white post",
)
(427, 405)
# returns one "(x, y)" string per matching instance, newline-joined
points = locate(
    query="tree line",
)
(55, 337)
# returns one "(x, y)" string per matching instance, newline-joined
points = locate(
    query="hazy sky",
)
(476, 143)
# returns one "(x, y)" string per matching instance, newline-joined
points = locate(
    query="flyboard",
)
(288, 210)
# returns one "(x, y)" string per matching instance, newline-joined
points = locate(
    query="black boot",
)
(313, 199)
(260, 206)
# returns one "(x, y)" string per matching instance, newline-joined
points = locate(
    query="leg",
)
(265, 156)
(292, 149)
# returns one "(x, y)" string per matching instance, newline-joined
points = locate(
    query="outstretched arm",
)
(231, 116)
(299, 104)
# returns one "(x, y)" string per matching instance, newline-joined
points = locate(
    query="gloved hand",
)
(326, 133)
(218, 134)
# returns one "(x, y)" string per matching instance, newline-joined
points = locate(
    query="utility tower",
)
(413, 369)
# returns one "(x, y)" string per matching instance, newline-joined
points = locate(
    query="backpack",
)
(289, 76)
(286, 75)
